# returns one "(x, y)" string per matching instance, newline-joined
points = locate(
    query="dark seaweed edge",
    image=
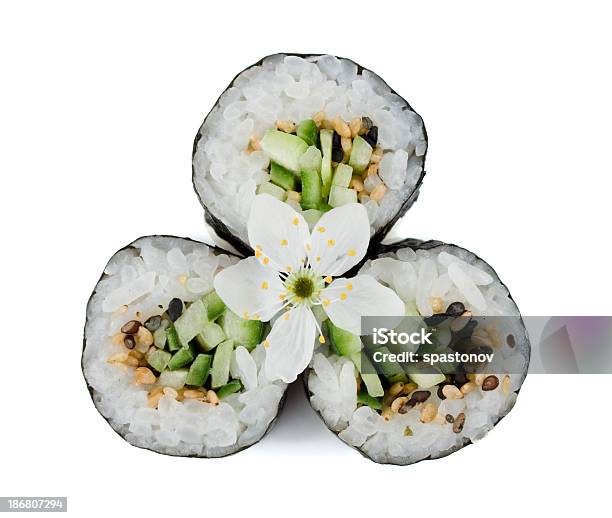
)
(221, 229)
(418, 244)
(216, 250)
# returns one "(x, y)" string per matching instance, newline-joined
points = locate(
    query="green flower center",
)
(304, 287)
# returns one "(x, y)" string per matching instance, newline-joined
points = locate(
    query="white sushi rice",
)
(453, 274)
(293, 88)
(139, 279)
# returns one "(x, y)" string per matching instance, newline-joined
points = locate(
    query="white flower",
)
(293, 271)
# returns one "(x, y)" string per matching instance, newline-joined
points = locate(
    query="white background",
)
(99, 105)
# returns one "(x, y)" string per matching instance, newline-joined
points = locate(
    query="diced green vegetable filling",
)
(321, 169)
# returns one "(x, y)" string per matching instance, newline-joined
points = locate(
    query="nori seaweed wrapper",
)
(215, 221)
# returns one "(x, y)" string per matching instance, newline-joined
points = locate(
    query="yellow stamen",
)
(321, 339)
(183, 279)
(264, 285)
(282, 296)
(326, 302)
(328, 279)
(343, 296)
(284, 242)
(286, 317)
(295, 221)
(307, 247)
(289, 269)
(330, 242)
(256, 316)
(349, 286)
(245, 315)
(266, 260)
(318, 258)
(258, 254)
(266, 344)
(351, 252)
(258, 247)
(321, 229)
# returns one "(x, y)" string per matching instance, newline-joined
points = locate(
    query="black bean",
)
(455, 309)
(510, 340)
(449, 418)
(371, 136)
(367, 123)
(459, 422)
(490, 383)
(131, 327)
(175, 309)
(460, 377)
(153, 323)
(337, 155)
(466, 331)
(129, 342)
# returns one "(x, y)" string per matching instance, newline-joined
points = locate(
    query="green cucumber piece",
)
(273, 190)
(311, 160)
(312, 216)
(210, 336)
(158, 358)
(307, 130)
(219, 373)
(191, 322)
(365, 399)
(229, 388)
(180, 358)
(391, 370)
(326, 137)
(175, 379)
(282, 177)
(311, 190)
(173, 341)
(371, 379)
(198, 372)
(339, 196)
(342, 175)
(159, 338)
(283, 148)
(360, 154)
(247, 333)
(427, 380)
(214, 305)
(344, 342)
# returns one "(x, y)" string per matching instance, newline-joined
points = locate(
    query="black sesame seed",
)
(510, 340)
(175, 309)
(129, 342)
(131, 327)
(336, 141)
(455, 309)
(337, 155)
(153, 323)
(371, 136)
(436, 319)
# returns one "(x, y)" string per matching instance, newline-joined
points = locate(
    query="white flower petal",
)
(250, 289)
(350, 299)
(290, 344)
(340, 239)
(277, 233)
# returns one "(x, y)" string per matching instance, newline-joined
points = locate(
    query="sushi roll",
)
(168, 366)
(314, 131)
(397, 414)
